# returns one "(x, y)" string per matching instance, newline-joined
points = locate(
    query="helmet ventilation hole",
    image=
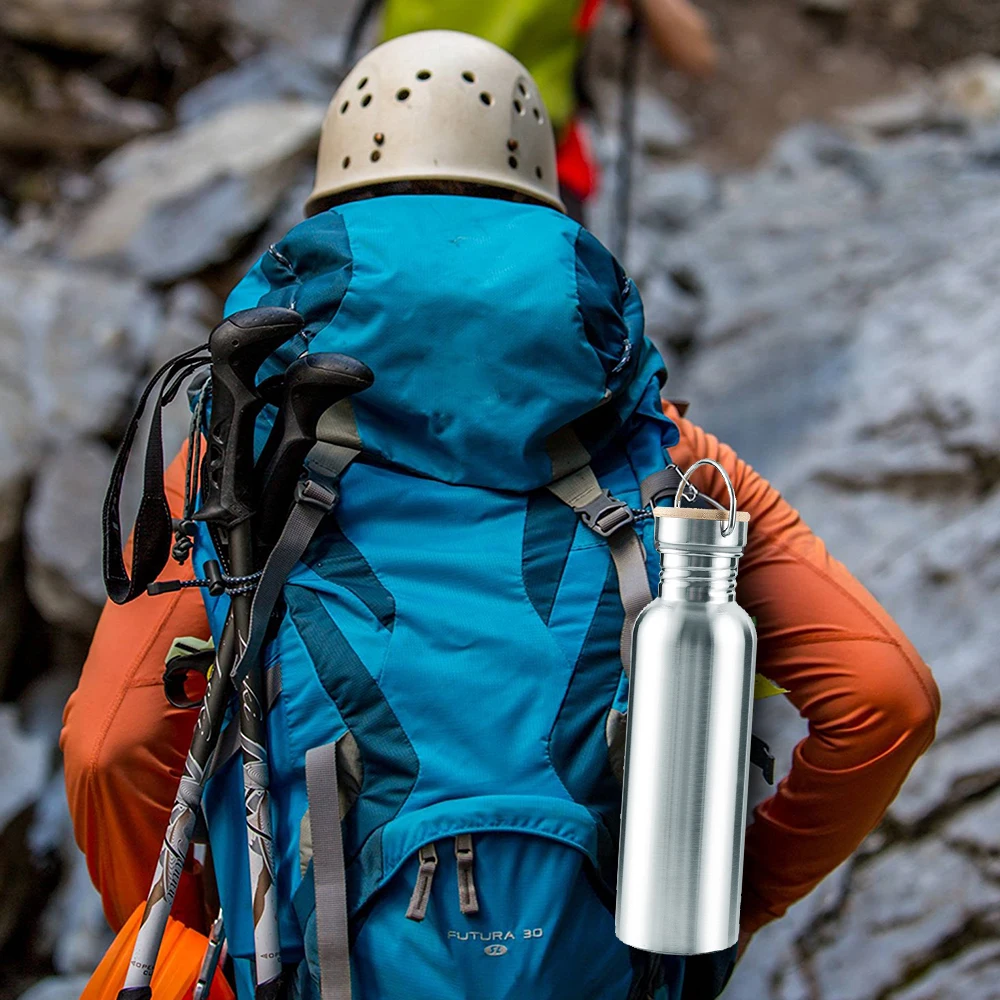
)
(512, 144)
(402, 94)
(362, 83)
(538, 172)
(346, 162)
(379, 138)
(469, 77)
(486, 98)
(538, 116)
(524, 90)
(512, 160)
(424, 74)
(344, 107)
(366, 100)
(376, 156)
(518, 107)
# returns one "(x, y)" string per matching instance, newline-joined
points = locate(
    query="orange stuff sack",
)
(176, 968)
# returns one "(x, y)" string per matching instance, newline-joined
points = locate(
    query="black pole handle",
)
(239, 345)
(313, 384)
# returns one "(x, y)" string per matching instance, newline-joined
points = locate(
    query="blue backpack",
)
(446, 686)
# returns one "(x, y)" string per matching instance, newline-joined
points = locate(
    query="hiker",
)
(548, 37)
(451, 581)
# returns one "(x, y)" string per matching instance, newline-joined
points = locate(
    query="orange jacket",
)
(870, 701)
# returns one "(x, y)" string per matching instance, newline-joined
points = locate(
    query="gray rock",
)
(103, 26)
(56, 988)
(48, 110)
(24, 765)
(846, 347)
(673, 308)
(303, 24)
(673, 198)
(900, 907)
(660, 129)
(973, 973)
(63, 534)
(72, 341)
(975, 831)
(279, 73)
(949, 773)
(906, 112)
(175, 204)
(75, 930)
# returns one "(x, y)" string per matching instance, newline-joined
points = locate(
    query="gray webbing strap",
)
(468, 901)
(611, 519)
(664, 483)
(328, 873)
(629, 555)
(312, 503)
(428, 860)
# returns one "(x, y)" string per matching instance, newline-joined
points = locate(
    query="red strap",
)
(587, 17)
(578, 171)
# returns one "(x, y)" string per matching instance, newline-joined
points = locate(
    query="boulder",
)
(72, 342)
(24, 765)
(44, 109)
(56, 988)
(176, 203)
(845, 346)
(673, 198)
(99, 26)
(298, 23)
(278, 73)
(63, 534)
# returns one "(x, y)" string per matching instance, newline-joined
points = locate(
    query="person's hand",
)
(681, 34)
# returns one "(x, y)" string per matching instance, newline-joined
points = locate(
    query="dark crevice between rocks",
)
(979, 928)
(909, 485)
(964, 792)
(28, 884)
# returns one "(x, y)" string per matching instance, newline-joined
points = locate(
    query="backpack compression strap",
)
(608, 517)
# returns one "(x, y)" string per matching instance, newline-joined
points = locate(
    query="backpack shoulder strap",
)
(577, 487)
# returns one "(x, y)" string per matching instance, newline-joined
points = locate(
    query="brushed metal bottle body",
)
(687, 752)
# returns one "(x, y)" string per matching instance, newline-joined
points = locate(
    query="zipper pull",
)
(427, 856)
(467, 900)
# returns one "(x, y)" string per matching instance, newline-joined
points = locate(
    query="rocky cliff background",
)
(817, 239)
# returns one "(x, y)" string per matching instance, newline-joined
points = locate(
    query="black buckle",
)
(311, 493)
(761, 756)
(606, 514)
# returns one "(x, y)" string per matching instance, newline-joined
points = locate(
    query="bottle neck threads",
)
(697, 575)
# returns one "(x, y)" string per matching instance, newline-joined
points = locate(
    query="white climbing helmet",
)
(437, 105)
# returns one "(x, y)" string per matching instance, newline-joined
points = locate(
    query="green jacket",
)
(542, 34)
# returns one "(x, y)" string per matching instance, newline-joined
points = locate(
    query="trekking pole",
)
(626, 147)
(312, 384)
(210, 962)
(239, 346)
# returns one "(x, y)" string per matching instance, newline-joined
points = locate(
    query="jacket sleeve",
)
(123, 744)
(870, 701)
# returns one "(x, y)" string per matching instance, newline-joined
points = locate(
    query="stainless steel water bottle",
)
(680, 866)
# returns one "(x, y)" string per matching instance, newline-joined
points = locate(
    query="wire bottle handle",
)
(731, 523)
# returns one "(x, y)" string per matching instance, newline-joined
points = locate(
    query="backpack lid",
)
(489, 325)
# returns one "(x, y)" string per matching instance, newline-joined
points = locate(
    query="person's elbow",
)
(892, 708)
